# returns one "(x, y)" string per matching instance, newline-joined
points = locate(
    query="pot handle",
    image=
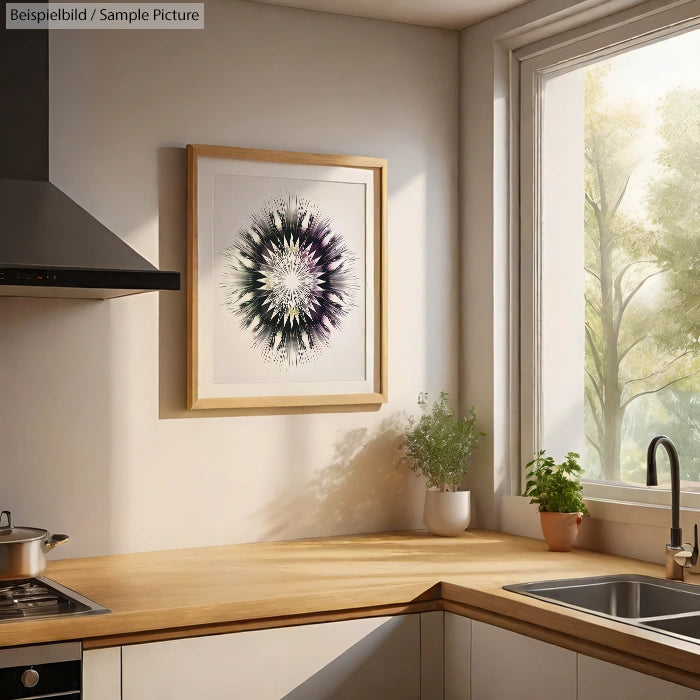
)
(54, 541)
(9, 518)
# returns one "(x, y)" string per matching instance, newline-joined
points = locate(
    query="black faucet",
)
(652, 480)
(677, 557)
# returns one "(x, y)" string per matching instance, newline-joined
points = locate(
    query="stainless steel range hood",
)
(49, 245)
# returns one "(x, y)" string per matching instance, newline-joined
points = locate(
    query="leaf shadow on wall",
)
(363, 489)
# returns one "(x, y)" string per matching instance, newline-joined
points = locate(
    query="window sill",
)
(649, 514)
(637, 531)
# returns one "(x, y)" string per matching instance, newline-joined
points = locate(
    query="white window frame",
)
(530, 66)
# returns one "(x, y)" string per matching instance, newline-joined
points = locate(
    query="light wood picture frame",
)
(287, 279)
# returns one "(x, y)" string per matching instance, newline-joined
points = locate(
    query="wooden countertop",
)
(181, 593)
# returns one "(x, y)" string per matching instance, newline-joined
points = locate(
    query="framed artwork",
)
(287, 279)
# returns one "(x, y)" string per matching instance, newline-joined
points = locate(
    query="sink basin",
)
(670, 607)
(619, 596)
(687, 626)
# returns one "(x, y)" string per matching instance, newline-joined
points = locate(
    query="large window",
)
(610, 217)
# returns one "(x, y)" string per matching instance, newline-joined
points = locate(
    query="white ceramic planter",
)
(447, 513)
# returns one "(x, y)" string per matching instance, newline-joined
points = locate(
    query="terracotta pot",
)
(560, 529)
(447, 513)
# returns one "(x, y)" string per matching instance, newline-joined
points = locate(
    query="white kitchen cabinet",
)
(365, 658)
(458, 634)
(509, 665)
(427, 656)
(432, 655)
(102, 674)
(599, 680)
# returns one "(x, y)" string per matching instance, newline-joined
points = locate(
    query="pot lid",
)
(10, 535)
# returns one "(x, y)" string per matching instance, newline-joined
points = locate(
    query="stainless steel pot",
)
(22, 549)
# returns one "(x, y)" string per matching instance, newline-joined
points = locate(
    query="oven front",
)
(41, 671)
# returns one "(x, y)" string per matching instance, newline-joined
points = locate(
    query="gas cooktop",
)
(41, 597)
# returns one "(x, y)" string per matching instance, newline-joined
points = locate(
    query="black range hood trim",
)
(47, 276)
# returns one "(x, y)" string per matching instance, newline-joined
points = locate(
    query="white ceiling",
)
(448, 14)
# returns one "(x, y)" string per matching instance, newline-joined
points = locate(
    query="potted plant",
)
(557, 491)
(438, 446)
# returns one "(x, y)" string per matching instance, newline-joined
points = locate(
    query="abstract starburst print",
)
(289, 278)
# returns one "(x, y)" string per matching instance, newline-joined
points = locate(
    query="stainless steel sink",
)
(687, 626)
(670, 607)
(619, 596)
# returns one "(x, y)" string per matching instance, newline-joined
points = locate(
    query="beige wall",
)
(95, 438)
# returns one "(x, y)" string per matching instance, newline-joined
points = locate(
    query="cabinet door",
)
(458, 633)
(509, 665)
(432, 655)
(102, 674)
(367, 658)
(599, 680)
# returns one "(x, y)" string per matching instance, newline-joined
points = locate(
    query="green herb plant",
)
(439, 445)
(555, 488)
